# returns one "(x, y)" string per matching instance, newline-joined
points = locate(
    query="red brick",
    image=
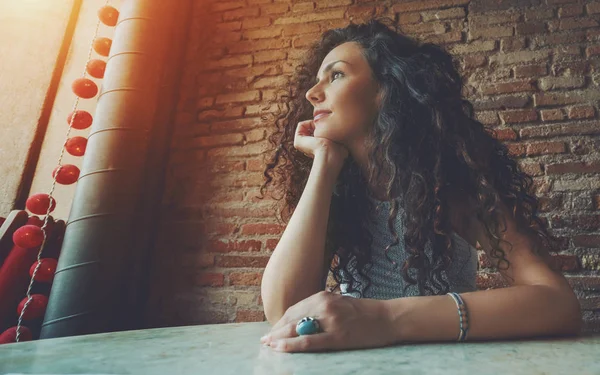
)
(270, 82)
(408, 18)
(229, 246)
(543, 148)
(590, 240)
(259, 45)
(590, 303)
(556, 114)
(239, 97)
(413, 6)
(591, 51)
(227, 5)
(574, 167)
(224, 38)
(312, 17)
(593, 7)
(490, 32)
(512, 44)
(229, 26)
(582, 112)
(361, 11)
(257, 229)
(271, 32)
(220, 228)
(516, 149)
(560, 129)
(425, 28)
(253, 149)
(547, 204)
(278, 8)
(532, 169)
(511, 117)
(531, 28)
(241, 13)
(473, 61)
(487, 118)
(206, 261)
(271, 244)
(506, 134)
(556, 98)
(210, 279)
(213, 141)
(245, 278)
(446, 38)
(333, 3)
(577, 23)
(567, 263)
(242, 261)
(520, 57)
(508, 87)
(229, 112)
(559, 83)
(223, 63)
(306, 40)
(298, 29)
(530, 71)
(255, 165)
(584, 282)
(303, 7)
(249, 316)
(254, 23)
(226, 166)
(584, 222)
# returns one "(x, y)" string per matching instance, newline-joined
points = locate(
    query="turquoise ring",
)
(307, 326)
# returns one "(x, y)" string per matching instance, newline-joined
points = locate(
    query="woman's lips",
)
(320, 116)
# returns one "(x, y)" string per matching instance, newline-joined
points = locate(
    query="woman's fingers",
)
(287, 331)
(304, 141)
(307, 343)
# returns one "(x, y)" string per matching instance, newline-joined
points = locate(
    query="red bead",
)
(28, 236)
(76, 146)
(67, 175)
(10, 335)
(45, 273)
(36, 307)
(108, 15)
(82, 120)
(34, 220)
(39, 203)
(96, 68)
(84, 88)
(102, 46)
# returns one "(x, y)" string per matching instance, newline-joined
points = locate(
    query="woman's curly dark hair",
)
(425, 145)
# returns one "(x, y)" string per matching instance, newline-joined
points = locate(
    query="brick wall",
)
(531, 69)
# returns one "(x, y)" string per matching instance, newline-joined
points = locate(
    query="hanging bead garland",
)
(34, 233)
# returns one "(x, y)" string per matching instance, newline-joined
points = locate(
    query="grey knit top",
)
(387, 282)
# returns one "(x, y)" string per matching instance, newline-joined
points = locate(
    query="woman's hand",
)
(346, 323)
(305, 142)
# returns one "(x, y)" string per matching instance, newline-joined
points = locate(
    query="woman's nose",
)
(314, 95)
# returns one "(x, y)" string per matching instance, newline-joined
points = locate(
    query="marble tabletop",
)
(235, 349)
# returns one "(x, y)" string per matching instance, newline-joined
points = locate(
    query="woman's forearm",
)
(512, 312)
(296, 266)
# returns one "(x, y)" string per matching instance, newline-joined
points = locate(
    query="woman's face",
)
(347, 91)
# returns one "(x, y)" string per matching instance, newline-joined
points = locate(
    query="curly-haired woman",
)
(391, 184)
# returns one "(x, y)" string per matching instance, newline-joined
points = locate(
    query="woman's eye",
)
(334, 73)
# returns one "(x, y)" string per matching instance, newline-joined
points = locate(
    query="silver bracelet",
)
(463, 315)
